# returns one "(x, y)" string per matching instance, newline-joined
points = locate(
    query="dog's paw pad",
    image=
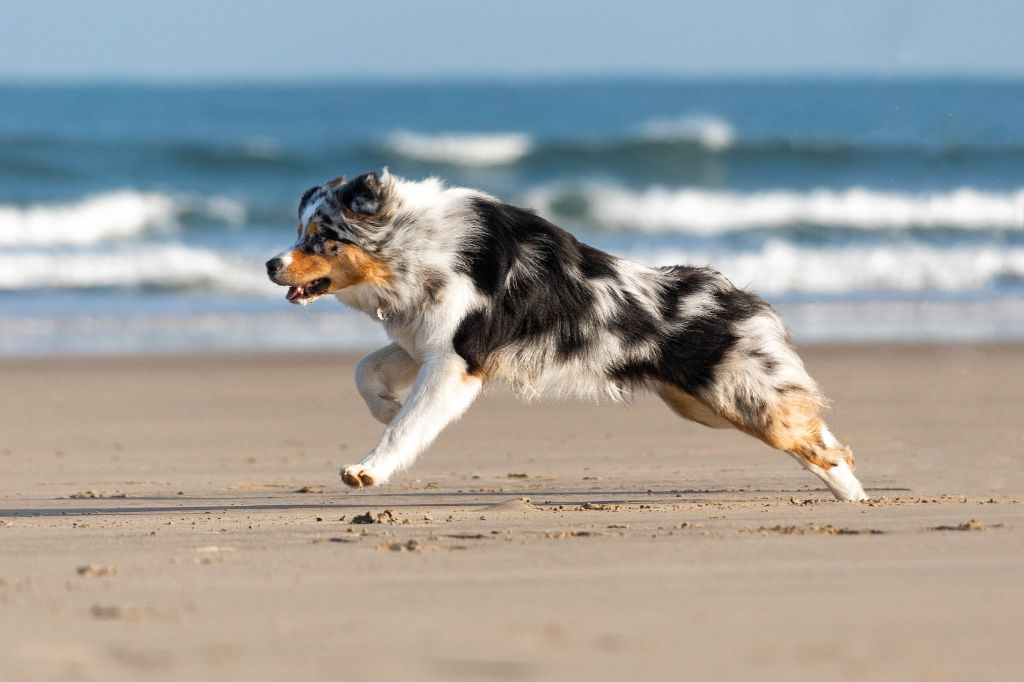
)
(357, 477)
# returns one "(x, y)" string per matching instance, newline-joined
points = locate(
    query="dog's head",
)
(339, 225)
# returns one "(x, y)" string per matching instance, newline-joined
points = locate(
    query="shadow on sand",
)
(408, 499)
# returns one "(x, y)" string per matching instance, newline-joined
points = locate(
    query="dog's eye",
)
(340, 240)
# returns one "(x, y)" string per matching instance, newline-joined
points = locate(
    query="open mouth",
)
(309, 291)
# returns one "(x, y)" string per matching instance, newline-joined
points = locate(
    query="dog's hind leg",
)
(794, 425)
(787, 418)
(763, 388)
(381, 375)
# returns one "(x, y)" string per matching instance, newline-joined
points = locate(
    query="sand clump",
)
(973, 524)
(812, 529)
(95, 495)
(386, 516)
(410, 545)
(519, 504)
(96, 570)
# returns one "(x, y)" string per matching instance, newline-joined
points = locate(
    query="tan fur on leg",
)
(791, 423)
(795, 426)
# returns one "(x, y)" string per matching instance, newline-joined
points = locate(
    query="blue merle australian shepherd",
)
(473, 290)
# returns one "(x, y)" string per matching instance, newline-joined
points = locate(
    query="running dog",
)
(472, 290)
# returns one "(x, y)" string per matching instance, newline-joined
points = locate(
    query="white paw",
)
(359, 476)
(843, 484)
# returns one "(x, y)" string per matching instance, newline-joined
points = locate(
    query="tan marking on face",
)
(349, 266)
(360, 267)
(303, 268)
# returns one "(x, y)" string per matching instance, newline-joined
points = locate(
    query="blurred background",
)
(859, 164)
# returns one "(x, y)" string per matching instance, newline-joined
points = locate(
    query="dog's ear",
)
(362, 195)
(305, 198)
(336, 183)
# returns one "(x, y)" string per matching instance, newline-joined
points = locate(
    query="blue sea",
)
(136, 218)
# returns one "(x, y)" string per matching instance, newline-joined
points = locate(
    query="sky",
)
(405, 39)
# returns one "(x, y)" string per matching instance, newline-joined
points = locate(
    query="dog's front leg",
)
(442, 392)
(380, 376)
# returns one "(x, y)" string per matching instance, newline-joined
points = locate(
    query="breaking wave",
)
(783, 267)
(467, 149)
(679, 143)
(708, 212)
(708, 131)
(116, 215)
(137, 266)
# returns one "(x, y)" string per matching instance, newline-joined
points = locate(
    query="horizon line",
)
(500, 78)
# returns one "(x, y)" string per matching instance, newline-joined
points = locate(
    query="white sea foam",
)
(117, 215)
(907, 319)
(699, 211)
(466, 149)
(261, 147)
(711, 132)
(137, 266)
(283, 328)
(782, 267)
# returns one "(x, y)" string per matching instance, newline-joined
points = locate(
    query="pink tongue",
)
(293, 293)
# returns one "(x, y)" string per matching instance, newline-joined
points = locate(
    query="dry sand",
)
(181, 518)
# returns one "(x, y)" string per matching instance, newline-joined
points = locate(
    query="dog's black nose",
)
(273, 265)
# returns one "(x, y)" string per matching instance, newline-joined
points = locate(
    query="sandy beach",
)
(181, 518)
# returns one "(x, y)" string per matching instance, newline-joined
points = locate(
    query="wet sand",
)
(181, 518)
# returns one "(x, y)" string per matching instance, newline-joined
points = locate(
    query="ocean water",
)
(137, 218)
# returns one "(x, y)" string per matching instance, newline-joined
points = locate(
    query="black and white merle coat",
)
(473, 290)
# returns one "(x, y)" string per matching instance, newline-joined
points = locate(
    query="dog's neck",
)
(427, 232)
